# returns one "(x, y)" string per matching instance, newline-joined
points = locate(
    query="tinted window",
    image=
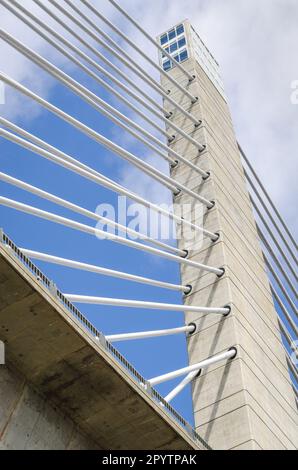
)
(167, 65)
(172, 34)
(183, 55)
(164, 39)
(180, 29)
(181, 42)
(173, 47)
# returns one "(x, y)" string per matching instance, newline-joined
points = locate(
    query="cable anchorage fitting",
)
(229, 312)
(222, 274)
(205, 178)
(174, 164)
(214, 240)
(194, 328)
(171, 139)
(212, 205)
(177, 192)
(198, 124)
(233, 348)
(203, 149)
(189, 290)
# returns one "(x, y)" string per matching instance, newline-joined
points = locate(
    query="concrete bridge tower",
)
(249, 402)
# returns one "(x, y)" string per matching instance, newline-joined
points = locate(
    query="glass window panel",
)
(167, 65)
(172, 34)
(173, 47)
(177, 58)
(183, 55)
(164, 39)
(180, 29)
(181, 42)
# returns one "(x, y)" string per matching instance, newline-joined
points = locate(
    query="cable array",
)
(79, 46)
(280, 256)
(22, 138)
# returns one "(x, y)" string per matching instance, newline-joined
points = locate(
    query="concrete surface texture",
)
(248, 403)
(62, 389)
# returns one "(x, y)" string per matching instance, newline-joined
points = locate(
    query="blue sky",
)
(257, 131)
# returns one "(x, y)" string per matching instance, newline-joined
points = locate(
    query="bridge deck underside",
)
(63, 363)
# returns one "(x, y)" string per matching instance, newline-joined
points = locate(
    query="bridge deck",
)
(55, 352)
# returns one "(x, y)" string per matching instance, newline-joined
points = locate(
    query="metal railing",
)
(140, 381)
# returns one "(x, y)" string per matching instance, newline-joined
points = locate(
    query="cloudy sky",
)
(255, 43)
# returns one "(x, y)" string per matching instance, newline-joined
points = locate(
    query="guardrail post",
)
(1, 236)
(53, 289)
(148, 388)
(101, 340)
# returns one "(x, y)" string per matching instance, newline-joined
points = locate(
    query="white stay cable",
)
(286, 333)
(296, 394)
(292, 366)
(112, 51)
(280, 285)
(44, 145)
(150, 334)
(100, 69)
(187, 380)
(148, 36)
(129, 41)
(151, 171)
(274, 223)
(97, 53)
(275, 241)
(95, 76)
(138, 70)
(105, 235)
(86, 213)
(230, 354)
(103, 271)
(100, 105)
(91, 98)
(277, 262)
(86, 299)
(286, 228)
(284, 310)
(64, 160)
(114, 44)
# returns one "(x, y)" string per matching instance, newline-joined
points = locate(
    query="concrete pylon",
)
(249, 402)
